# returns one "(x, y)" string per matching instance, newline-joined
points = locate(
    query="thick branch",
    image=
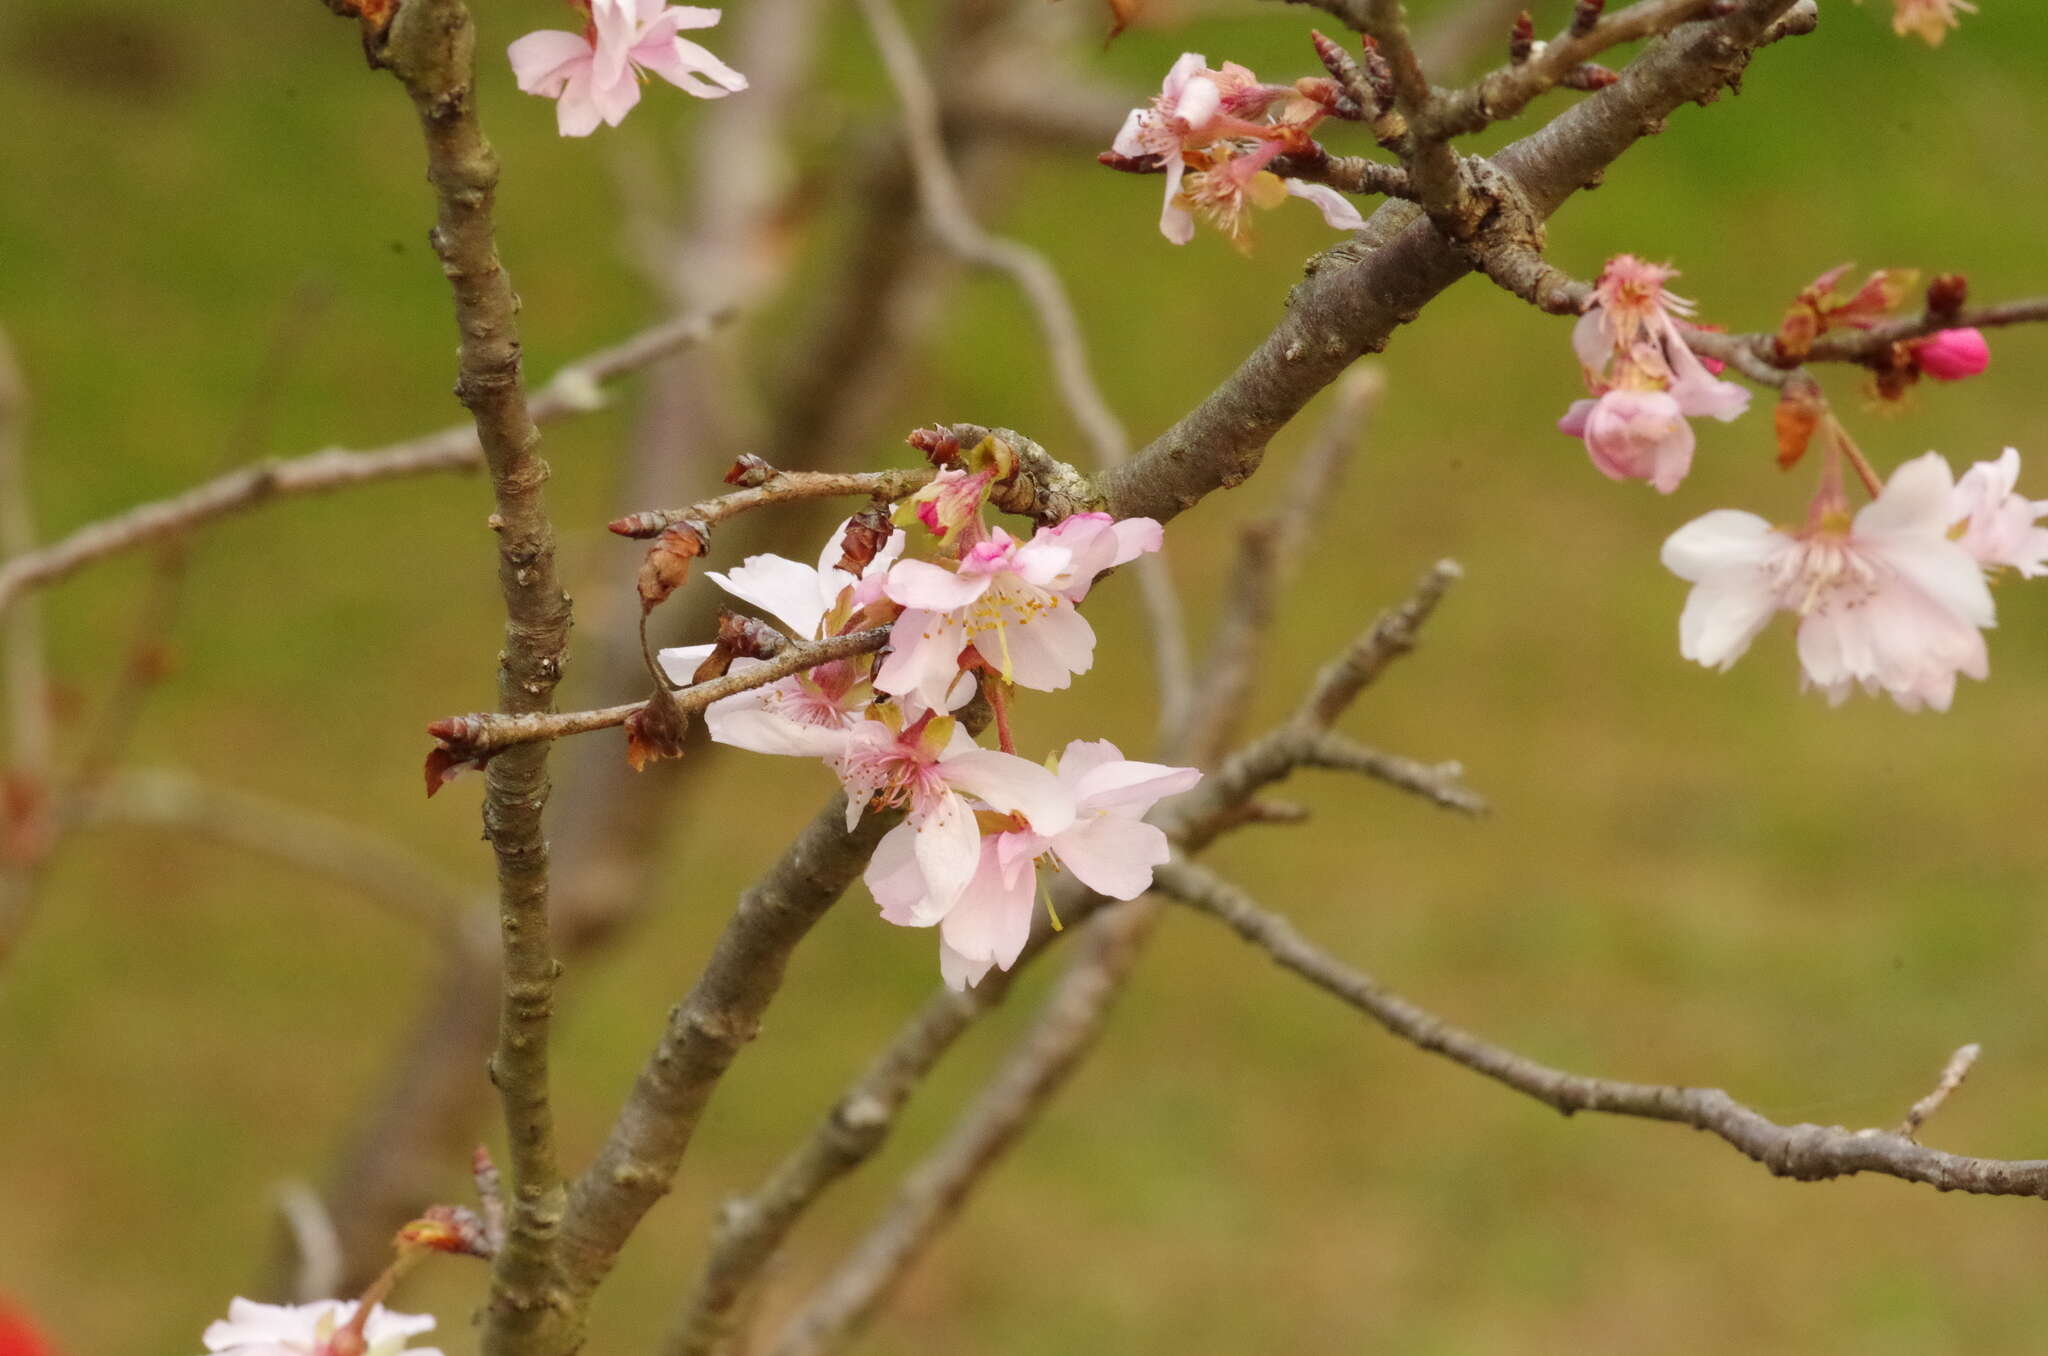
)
(431, 48)
(1357, 294)
(703, 1035)
(574, 389)
(1809, 1153)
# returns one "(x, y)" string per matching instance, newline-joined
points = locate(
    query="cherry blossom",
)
(593, 76)
(928, 767)
(1647, 381)
(1190, 127)
(1012, 601)
(1634, 435)
(1952, 355)
(1887, 599)
(1928, 20)
(1194, 106)
(807, 714)
(253, 1329)
(1997, 526)
(1107, 846)
(20, 1337)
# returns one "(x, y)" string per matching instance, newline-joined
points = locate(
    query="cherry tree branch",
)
(573, 390)
(1358, 293)
(30, 745)
(703, 1034)
(430, 47)
(488, 734)
(1032, 1073)
(781, 487)
(945, 207)
(1067, 1025)
(1809, 1153)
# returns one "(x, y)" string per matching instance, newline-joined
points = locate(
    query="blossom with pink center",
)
(253, 1329)
(1634, 435)
(594, 76)
(928, 768)
(1108, 847)
(1997, 526)
(1952, 355)
(1888, 599)
(1928, 20)
(806, 714)
(1012, 601)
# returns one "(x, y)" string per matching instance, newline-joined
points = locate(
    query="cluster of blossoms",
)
(969, 608)
(322, 1328)
(1892, 597)
(594, 76)
(1645, 381)
(1214, 133)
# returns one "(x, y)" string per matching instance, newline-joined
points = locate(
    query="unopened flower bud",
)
(1952, 355)
(1946, 293)
(938, 445)
(749, 471)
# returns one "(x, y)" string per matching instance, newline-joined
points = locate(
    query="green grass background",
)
(1689, 877)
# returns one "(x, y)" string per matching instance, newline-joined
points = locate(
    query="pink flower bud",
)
(1637, 435)
(1951, 355)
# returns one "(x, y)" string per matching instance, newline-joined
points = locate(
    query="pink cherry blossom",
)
(928, 768)
(1929, 20)
(1647, 380)
(1107, 846)
(1998, 527)
(253, 1329)
(1194, 106)
(593, 76)
(804, 715)
(1952, 355)
(1634, 435)
(1013, 601)
(1887, 599)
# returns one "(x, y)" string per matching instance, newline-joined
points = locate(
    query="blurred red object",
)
(19, 1337)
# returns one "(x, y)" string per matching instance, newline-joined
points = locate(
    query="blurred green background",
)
(1688, 877)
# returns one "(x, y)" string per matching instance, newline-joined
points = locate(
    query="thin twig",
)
(783, 487)
(1952, 1075)
(574, 389)
(1060, 1036)
(387, 875)
(1504, 92)
(1809, 1153)
(946, 209)
(30, 746)
(486, 734)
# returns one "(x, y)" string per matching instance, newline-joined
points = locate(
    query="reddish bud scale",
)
(1946, 293)
(749, 472)
(667, 564)
(1585, 14)
(1521, 38)
(656, 731)
(867, 532)
(938, 445)
(1589, 76)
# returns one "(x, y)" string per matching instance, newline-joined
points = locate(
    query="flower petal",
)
(1338, 210)
(1112, 856)
(1012, 785)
